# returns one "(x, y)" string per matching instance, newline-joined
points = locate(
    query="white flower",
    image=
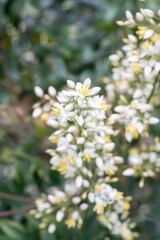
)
(83, 89)
(135, 159)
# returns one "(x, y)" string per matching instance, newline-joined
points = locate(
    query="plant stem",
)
(16, 211)
(16, 198)
(152, 92)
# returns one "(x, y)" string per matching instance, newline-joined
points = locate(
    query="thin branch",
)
(154, 86)
(16, 198)
(17, 211)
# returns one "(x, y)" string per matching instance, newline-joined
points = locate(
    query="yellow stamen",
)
(141, 31)
(107, 138)
(101, 218)
(70, 223)
(98, 187)
(39, 201)
(110, 171)
(136, 68)
(119, 196)
(146, 46)
(58, 200)
(86, 156)
(155, 37)
(103, 106)
(56, 111)
(54, 138)
(133, 106)
(44, 117)
(62, 168)
(133, 151)
(98, 209)
(132, 130)
(126, 205)
(84, 90)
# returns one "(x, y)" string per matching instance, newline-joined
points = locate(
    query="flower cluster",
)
(136, 117)
(83, 154)
(144, 163)
(137, 66)
(136, 79)
(43, 107)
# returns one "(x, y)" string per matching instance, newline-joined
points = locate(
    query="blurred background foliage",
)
(45, 42)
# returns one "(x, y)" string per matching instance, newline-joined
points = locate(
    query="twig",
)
(16, 198)
(17, 211)
(152, 92)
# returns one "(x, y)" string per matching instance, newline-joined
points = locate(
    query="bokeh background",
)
(46, 42)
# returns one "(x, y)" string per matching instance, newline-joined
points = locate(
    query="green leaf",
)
(13, 230)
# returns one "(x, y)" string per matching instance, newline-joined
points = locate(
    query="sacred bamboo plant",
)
(87, 128)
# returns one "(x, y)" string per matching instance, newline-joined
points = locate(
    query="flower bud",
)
(79, 181)
(59, 216)
(139, 17)
(37, 112)
(70, 84)
(52, 91)
(128, 15)
(148, 33)
(128, 172)
(52, 228)
(38, 91)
